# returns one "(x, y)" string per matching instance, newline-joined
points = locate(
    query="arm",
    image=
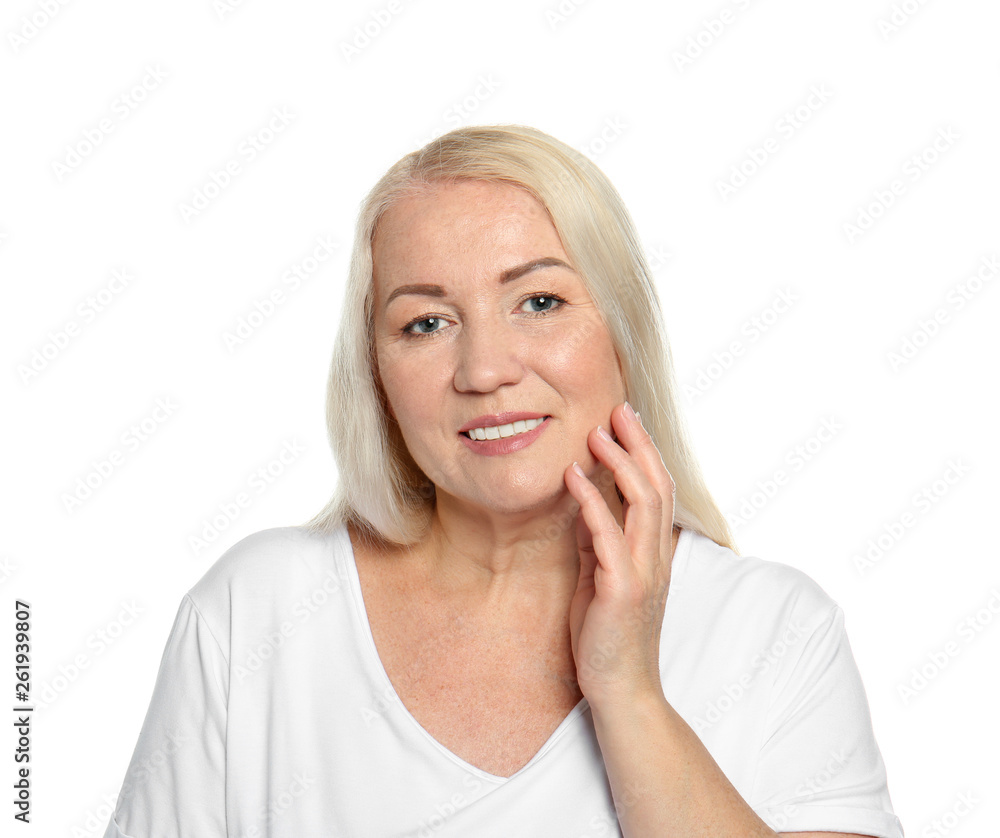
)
(666, 783)
(663, 779)
(175, 783)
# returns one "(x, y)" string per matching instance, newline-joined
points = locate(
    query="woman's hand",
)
(617, 611)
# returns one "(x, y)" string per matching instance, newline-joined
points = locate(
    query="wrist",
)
(633, 702)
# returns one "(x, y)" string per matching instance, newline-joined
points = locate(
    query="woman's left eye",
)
(550, 298)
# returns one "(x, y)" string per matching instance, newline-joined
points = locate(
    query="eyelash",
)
(409, 334)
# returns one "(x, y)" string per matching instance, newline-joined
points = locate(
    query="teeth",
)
(502, 431)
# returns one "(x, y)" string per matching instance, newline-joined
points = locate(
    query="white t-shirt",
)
(273, 716)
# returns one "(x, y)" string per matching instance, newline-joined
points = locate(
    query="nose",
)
(489, 355)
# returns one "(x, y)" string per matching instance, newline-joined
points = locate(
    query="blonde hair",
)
(381, 491)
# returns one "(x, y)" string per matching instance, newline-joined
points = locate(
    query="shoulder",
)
(740, 625)
(264, 558)
(262, 576)
(750, 586)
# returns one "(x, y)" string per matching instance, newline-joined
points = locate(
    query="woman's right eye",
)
(410, 328)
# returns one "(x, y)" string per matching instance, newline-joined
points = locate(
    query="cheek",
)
(413, 387)
(585, 358)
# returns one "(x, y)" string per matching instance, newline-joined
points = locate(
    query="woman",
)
(506, 621)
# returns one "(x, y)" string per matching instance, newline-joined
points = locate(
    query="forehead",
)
(459, 219)
(446, 200)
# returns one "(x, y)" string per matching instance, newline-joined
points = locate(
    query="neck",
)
(507, 561)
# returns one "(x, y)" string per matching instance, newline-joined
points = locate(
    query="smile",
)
(504, 439)
(504, 431)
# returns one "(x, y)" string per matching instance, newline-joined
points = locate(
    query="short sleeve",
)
(819, 768)
(175, 783)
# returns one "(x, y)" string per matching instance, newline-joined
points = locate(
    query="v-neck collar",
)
(378, 668)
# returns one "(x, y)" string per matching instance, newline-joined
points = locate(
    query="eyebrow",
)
(508, 275)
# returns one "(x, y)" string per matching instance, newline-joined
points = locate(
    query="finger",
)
(644, 522)
(588, 556)
(634, 438)
(637, 441)
(601, 541)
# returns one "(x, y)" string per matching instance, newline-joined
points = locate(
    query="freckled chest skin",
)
(491, 688)
(491, 693)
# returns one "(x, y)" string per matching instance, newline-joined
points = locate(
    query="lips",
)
(497, 419)
(505, 445)
(506, 431)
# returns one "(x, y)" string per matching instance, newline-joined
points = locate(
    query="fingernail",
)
(630, 412)
(604, 433)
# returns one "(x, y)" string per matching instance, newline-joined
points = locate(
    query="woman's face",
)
(476, 344)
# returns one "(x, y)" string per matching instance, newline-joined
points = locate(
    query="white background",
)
(610, 79)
